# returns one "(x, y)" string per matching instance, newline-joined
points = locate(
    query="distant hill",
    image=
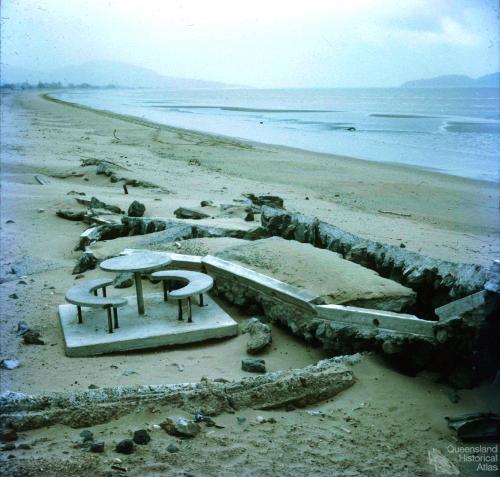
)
(102, 73)
(456, 81)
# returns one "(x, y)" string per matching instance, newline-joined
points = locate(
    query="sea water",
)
(454, 130)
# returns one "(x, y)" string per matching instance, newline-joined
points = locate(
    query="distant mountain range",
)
(456, 81)
(102, 73)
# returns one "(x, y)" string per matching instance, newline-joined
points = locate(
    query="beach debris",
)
(401, 214)
(97, 447)
(125, 190)
(180, 426)
(125, 447)
(124, 280)
(269, 200)
(115, 136)
(193, 213)
(260, 335)
(10, 221)
(65, 175)
(479, 426)
(119, 468)
(9, 363)
(42, 180)
(173, 448)
(8, 433)
(141, 437)
(136, 209)
(250, 217)
(95, 203)
(350, 128)
(74, 215)
(253, 365)
(87, 261)
(32, 337)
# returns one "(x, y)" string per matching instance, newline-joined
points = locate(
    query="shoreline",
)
(222, 137)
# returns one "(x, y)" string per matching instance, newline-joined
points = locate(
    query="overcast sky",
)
(268, 43)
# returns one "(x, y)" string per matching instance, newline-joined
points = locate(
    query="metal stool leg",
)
(165, 291)
(95, 292)
(190, 319)
(104, 292)
(79, 313)
(115, 316)
(110, 322)
(180, 309)
(201, 299)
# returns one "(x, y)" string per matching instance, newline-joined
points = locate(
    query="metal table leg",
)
(138, 290)
(110, 322)
(115, 317)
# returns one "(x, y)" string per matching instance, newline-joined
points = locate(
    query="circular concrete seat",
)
(85, 294)
(195, 283)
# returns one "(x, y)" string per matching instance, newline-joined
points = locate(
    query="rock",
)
(260, 335)
(22, 328)
(172, 448)
(104, 169)
(180, 426)
(124, 280)
(269, 200)
(206, 203)
(250, 217)
(97, 447)
(13, 296)
(32, 337)
(241, 419)
(253, 365)
(24, 447)
(87, 261)
(125, 447)
(141, 437)
(75, 215)
(9, 363)
(8, 434)
(87, 436)
(95, 203)
(136, 209)
(9, 447)
(186, 213)
(93, 386)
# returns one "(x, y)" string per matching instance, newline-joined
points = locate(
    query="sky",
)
(263, 43)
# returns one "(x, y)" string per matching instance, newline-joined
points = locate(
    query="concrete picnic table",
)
(137, 263)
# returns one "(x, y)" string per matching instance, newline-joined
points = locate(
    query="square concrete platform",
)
(158, 327)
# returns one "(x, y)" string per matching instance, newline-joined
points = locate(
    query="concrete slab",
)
(179, 261)
(158, 327)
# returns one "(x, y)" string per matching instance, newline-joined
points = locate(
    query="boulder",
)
(136, 209)
(194, 213)
(124, 280)
(125, 447)
(253, 365)
(260, 335)
(180, 426)
(87, 261)
(269, 200)
(141, 437)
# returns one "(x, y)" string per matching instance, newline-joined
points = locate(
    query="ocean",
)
(453, 131)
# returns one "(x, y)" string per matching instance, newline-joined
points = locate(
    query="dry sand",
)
(384, 425)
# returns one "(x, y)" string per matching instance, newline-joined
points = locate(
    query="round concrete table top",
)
(136, 262)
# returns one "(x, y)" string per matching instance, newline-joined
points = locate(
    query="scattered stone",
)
(141, 437)
(24, 447)
(22, 328)
(250, 217)
(97, 447)
(74, 192)
(269, 200)
(9, 363)
(129, 372)
(21, 282)
(187, 213)
(206, 203)
(125, 447)
(241, 419)
(10, 221)
(124, 280)
(13, 296)
(32, 337)
(180, 426)
(253, 365)
(93, 386)
(9, 447)
(136, 209)
(87, 261)
(172, 448)
(8, 434)
(87, 436)
(260, 335)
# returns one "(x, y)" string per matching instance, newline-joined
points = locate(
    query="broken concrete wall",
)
(299, 387)
(436, 282)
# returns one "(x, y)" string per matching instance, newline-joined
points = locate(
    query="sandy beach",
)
(384, 425)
